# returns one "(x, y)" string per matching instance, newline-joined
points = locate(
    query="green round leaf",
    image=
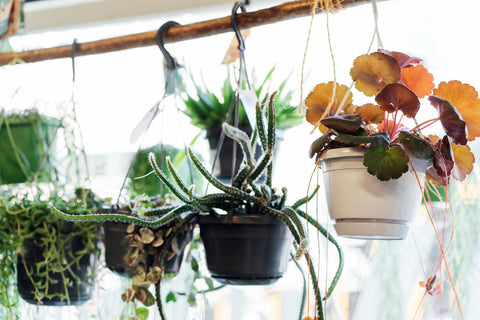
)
(171, 297)
(385, 163)
(142, 313)
(420, 148)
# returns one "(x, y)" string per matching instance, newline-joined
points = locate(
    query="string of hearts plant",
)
(389, 129)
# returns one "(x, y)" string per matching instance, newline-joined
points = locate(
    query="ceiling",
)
(54, 14)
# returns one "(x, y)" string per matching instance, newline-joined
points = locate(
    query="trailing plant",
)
(388, 128)
(26, 141)
(149, 250)
(209, 111)
(243, 196)
(25, 220)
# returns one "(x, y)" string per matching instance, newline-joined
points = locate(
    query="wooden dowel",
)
(288, 10)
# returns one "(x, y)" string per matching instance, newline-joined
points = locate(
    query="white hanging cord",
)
(375, 15)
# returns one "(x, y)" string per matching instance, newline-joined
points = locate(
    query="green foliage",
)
(24, 140)
(142, 179)
(25, 218)
(208, 111)
(245, 196)
(384, 158)
(386, 163)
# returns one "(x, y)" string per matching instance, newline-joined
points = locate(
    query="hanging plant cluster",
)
(250, 207)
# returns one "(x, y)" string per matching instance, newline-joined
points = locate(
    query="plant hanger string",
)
(171, 85)
(234, 104)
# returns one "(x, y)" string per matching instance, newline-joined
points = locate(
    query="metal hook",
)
(236, 28)
(73, 55)
(171, 62)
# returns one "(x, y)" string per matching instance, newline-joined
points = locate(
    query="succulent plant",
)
(244, 195)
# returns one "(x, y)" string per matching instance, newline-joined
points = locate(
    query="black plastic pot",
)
(80, 289)
(117, 247)
(245, 249)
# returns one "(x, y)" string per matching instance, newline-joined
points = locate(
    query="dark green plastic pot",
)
(24, 140)
(245, 249)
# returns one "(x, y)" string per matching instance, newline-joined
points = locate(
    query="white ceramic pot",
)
(363, 206)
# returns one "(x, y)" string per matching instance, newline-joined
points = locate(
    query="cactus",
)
(243, 196)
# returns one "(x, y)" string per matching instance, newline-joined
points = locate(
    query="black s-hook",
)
(171, 62)
(236, 28)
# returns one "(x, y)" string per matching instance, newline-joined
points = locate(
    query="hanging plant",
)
(54, 259)
(243, 198)
(27, 144)
(382, 141)
(398, 82)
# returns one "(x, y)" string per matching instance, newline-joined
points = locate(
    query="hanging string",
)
(74, 112)
(375, 15)
(235, 102)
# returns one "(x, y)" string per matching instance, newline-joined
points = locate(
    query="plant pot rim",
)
(344, 152)
(357, 152)
(28, 118)
(239, 218)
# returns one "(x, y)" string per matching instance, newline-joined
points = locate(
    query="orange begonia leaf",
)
(371, 72)
(464, 160)
(396, 96)
(465, 99)
(418, 79)
(318, 100)
(370, 112)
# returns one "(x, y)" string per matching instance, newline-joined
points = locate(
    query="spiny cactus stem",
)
(304, 200)
(241, 176)
(271, 124)
(281, 204)
(152, 212)
(161, 175)
(236, 193)
(244, 141)
(262, 164)
(261, 126)
(331, 239)
(180, 183)
(104, 217)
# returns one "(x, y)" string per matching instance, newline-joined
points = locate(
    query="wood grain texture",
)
(285, 11)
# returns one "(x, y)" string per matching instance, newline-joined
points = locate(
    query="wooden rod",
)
(285, 11)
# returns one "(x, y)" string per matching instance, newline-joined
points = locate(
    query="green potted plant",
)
(50, 261)
(379, 153)
(247, 204)
(209, 111)
(26, 141)
(141, 182)
(129, 246)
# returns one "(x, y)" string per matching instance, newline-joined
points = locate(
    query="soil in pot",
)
(24, 140)
(245, 249)
(118, 247)
(77, 275)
